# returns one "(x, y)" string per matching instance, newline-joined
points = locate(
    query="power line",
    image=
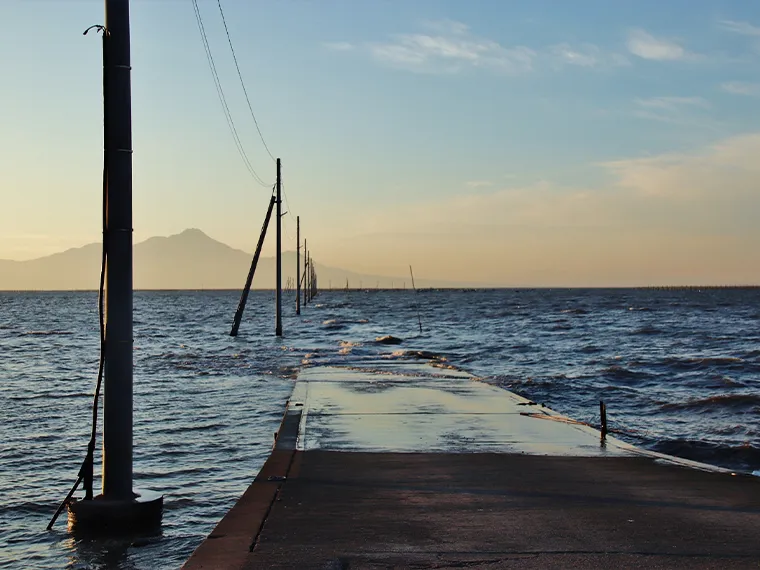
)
(287, 204)
(242, 83)
(287, 233)
(223, 99)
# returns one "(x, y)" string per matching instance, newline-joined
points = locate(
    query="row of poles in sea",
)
(308, 281)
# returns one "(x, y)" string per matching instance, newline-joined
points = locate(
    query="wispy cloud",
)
(585, 55)
(672, 103)
(676, 110)
(742, 28)
(741, 88)
(451, 48)
(479, 184)
(448, 27)
(448, 46)
(338, 46)
(646, 46)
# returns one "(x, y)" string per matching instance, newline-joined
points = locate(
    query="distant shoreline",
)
(421, 289)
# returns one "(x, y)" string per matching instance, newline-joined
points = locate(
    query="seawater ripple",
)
(679, 371)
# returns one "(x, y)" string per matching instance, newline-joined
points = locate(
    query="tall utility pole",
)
(118, 508)
(305, 274)
(278, 292)
(298, 265)
(117, 385)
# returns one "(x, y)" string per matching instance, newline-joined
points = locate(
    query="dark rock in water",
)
(388, 339)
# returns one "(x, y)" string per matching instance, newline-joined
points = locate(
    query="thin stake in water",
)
(419, 319)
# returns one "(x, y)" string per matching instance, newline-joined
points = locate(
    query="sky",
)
(542, 143)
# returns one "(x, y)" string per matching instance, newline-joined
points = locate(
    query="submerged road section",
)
(405, 465)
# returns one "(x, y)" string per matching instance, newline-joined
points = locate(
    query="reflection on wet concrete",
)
(405, 407)
(412, 407)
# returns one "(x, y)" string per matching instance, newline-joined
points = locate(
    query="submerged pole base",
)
(106, 516)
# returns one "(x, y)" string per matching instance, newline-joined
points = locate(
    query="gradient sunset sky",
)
(540, 143)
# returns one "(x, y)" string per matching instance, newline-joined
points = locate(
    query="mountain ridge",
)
(188, 260)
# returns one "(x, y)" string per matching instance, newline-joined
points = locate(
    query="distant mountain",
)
(189, 260)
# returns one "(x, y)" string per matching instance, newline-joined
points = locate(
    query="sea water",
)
(679, 371)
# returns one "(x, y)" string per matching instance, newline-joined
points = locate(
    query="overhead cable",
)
(223, 99)
(242, 83)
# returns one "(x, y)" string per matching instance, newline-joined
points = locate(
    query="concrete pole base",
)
(105, 516)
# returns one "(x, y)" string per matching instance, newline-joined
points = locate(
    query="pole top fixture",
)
(98, 27)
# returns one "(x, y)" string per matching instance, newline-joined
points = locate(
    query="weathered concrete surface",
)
(378, 510)
(232, 539)
(416, 467)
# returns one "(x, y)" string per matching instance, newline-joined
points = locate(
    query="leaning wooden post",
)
(251, 271)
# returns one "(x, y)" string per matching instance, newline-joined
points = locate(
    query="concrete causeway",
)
(407, 465)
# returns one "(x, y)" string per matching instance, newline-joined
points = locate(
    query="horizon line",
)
(461, 289)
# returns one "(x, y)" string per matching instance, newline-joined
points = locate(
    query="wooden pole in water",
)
(251, 271)
(298, 265)
(278, 291)
(419, 318)
(305, 274)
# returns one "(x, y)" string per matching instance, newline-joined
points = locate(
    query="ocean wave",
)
(50, 395)
(420, 354)
(736, 402)
(718, 382)
(45, 333)
(621, 372)
(29, 508)
(576, 311)
(530, 382)
(215, 426)
(744, 457)
(170, 473)
(701, 362)
(647, 330)
(524, 348)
